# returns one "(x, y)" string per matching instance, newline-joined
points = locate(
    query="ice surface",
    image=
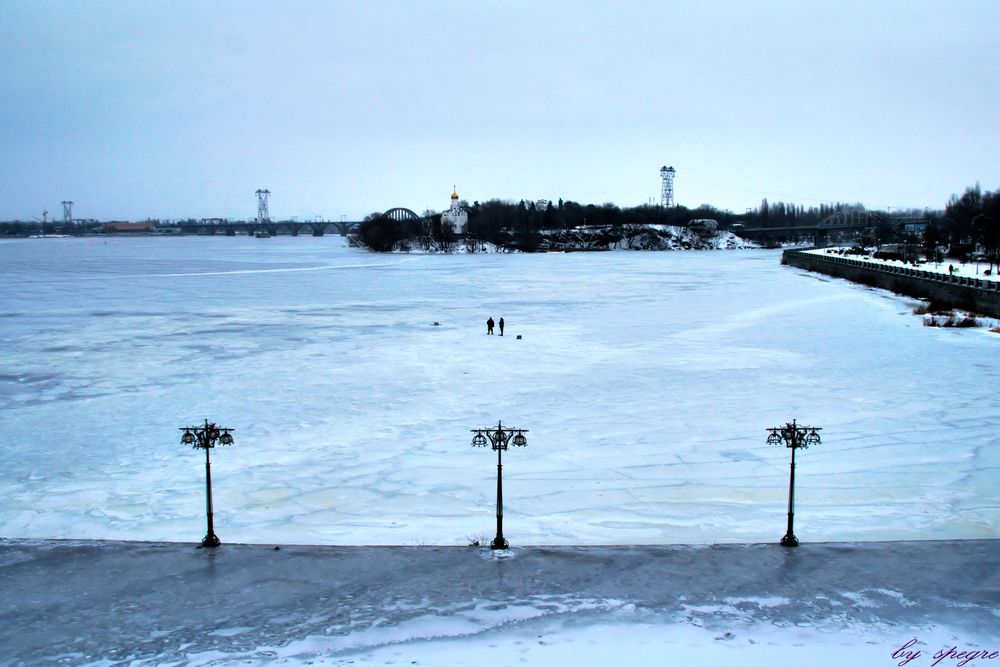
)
(647, 381)
(169, 604)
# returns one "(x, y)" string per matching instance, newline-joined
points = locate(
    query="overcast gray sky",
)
(184, 109)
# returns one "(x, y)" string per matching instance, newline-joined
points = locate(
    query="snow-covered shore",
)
(648, 237)
(981, 270)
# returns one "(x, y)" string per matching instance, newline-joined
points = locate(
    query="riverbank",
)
(99, 602)
(977, 294)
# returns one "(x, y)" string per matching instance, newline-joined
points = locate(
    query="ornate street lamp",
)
(794, 437)
(498, 438)
(206, 437)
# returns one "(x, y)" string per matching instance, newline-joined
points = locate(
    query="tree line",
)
(967, 221)
(970, 221)
(518, 225)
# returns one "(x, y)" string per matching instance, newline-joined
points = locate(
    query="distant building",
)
(456, 215)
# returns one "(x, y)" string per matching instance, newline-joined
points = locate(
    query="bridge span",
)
(221, 226)
(250, 227)
(841, 226)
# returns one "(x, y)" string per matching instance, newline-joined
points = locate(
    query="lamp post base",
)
(499, 543)
(211, 541)
(789, 541)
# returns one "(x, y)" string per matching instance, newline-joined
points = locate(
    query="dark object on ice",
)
(498, 438)
(794, 437)
(519, 336)
(501, 326)
(489, 325)
(437, 324)
(206, 437)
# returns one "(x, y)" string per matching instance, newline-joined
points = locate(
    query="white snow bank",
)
(970, 269)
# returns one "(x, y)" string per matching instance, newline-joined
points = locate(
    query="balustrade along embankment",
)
(956, 291)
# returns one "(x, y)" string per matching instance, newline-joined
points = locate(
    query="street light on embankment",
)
(794, 437)
(207, 437)
(498, 438)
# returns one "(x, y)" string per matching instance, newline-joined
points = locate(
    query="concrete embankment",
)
(73, 603)
(965, 292)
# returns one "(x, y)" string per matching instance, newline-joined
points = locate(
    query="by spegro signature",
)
(906, 654)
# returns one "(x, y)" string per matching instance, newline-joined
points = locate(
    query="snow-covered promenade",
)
(821, 604)
(949, 283)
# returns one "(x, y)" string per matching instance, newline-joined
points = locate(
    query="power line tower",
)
(667, 190)
(67, 213)
(262, 215)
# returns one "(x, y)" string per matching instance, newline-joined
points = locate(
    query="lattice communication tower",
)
(67, 212)
(262, 214)
(667, 190)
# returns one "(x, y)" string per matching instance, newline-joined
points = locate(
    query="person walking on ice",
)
(489, 325)
(501, 325)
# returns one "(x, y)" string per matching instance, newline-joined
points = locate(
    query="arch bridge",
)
(405, 215)
(218, 226)
(842, 223)
(400, 214)
(249, 227)
(853, 220)
(838, 224)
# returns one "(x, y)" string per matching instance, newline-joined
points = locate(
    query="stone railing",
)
(967, 292)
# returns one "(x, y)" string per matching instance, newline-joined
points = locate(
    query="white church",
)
(456, 215)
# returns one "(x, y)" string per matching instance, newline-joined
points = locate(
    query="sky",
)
(166, 110)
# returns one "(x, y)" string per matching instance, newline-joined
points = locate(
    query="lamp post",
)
(206, 437)
(794, 437)
(498, 438)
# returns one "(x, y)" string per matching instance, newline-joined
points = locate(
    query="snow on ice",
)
(647, 381)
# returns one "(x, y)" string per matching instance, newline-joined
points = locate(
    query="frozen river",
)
(647, 381)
